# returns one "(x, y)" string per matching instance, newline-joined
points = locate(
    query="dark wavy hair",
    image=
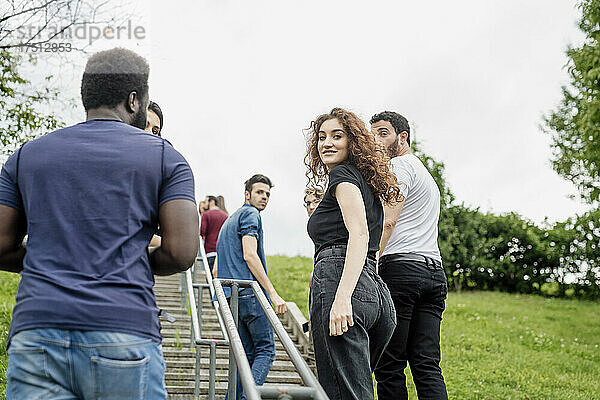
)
(399, 123)
(257, 178)
(111, 75)
(156, 109)
(363, 152)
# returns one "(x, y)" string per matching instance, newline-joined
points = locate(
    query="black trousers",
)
(345, 363)
(419, 290)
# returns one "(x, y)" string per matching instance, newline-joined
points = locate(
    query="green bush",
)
(508, 253)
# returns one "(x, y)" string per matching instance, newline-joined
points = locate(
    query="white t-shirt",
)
(417, 228)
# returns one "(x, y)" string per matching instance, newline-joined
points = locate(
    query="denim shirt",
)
(245, 221)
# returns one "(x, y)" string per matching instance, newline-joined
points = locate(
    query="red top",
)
(210, 225)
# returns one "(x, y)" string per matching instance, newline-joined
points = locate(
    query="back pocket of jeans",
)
(365, 296)
(27, 374)
(120, 379)
(31, 360)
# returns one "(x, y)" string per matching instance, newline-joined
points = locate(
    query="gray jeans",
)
(345, 363)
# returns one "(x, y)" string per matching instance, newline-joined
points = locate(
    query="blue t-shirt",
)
(91, 193)
(230, 255)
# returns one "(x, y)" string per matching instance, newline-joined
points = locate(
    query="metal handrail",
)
(238, 360)
(196, 339)
(236, 348)
(211, 288)
(193, 309)
(313, 389)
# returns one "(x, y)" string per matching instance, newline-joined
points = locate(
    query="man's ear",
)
(404, 136)
(246, 195)
(133, 102)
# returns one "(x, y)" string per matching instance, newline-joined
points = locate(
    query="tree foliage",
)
(509, 253)
(24, 24)
(575, 125)
(21, 107)
(34, 22)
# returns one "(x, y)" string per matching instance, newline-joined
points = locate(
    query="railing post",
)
(182, 285)
(232, 385)
(194, 268)
(212, 371)
(197, 381)
(192, 331)
(200, 293)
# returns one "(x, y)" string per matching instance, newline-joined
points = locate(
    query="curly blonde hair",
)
(363, 152)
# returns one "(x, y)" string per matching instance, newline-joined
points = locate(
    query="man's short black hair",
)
(258, 178)
(213, 198)
(152, 106)
(111, 75)
(399, 123)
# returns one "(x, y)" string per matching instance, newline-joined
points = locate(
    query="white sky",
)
(239, 80)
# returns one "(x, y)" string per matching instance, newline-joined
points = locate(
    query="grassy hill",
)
(498, 345)
(494, 345)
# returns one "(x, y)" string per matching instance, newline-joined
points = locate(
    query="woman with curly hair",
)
(352, 314)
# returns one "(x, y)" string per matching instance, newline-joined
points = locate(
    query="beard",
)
(392, 149)
(139, 119)
(255, 202)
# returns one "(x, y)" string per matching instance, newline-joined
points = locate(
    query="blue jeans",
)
(345, 363)
(66, 364)
(256, 334)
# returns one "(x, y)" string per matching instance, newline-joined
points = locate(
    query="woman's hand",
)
(340, 316)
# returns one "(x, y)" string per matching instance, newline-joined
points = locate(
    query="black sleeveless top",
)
(326, 225)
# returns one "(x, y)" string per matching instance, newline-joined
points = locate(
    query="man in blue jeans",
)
(241, 256)
(411, 266)
(90, 196)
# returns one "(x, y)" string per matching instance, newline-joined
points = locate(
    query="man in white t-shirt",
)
(411, 265)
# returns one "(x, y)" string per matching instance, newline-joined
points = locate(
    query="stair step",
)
(185, 352)
(221, 375)
(191, 396)
(181, 359)
(184, 342)
(221, 363)
(183, 387)
(211, 332)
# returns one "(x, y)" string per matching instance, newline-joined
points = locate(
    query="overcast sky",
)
(238, 81)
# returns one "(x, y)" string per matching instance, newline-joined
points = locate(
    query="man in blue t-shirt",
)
(241, 255)
(90, 196)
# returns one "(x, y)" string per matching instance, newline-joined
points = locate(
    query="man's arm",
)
(390, 217)
(179, 243)
(12, 232)
(404, 173)
(249, 246)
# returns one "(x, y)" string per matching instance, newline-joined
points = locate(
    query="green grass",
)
(494, 345)
(8, 290)
(290, 275)
(498, 345)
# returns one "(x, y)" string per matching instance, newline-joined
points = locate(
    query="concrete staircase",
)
(180, 357)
